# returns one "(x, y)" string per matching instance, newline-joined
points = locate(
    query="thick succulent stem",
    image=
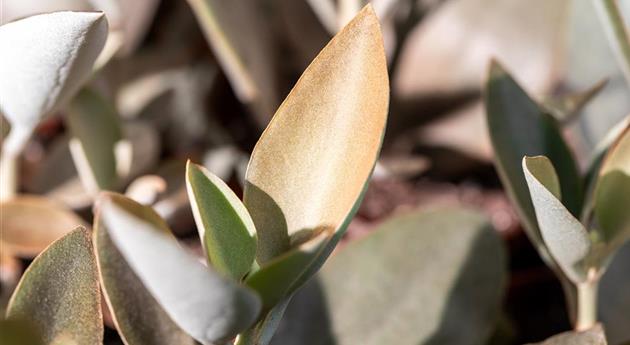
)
(613, 23)
(587, 305)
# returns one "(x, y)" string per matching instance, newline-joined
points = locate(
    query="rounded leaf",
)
(45, 60)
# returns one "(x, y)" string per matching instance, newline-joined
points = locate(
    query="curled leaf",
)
(59, 293)
(206, 305)
(519, 127)
(565, 237)
(310, 165)
(225, 227)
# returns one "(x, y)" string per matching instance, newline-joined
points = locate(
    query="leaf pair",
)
(306, 173)
(575, 249)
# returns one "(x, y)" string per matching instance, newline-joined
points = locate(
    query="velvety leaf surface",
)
(311, 163)
(565, 237)
(225, 227)
(30, 223)
(438, 280)
(206, 305)
(59, 293)
(612, 192)
(51, 56)
(137, 315)
(96, 130)
(519, 127)
(593, 336)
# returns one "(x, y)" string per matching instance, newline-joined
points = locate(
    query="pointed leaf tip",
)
(311, 163)
(225, 227)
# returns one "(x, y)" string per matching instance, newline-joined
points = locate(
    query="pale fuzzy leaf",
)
(311, 163)
(526, 35)
(206, 305)
(137, 315)
(30, 223)
(422, 278)
(96, 130)
(225, 227)
(50, 57)
(59, 292)
(594, 336)
(612, 192)
(565, 237)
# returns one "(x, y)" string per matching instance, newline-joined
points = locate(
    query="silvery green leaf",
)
(565, 237)
(208, 306)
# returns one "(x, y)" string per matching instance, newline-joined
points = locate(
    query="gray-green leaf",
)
(520, 127)
(208, 306)
(421, 278)
(59, 293)
(225, 227)
(565, 237)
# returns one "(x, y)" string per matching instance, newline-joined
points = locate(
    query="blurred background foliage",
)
(201, 79)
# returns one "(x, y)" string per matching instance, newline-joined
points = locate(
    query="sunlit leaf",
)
(59, 293)
(519, 127)
(245, 52)
(50, 57)
(311, 163)
(225, 227)
(594, 336)
(206, 305)
(137, 315)
(612, 192)
(565, 237)
(96, 130)
(447, 266)
(30, 223)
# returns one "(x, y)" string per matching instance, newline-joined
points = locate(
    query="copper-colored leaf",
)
(311, 163)
(59, 293)
(30, 223)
